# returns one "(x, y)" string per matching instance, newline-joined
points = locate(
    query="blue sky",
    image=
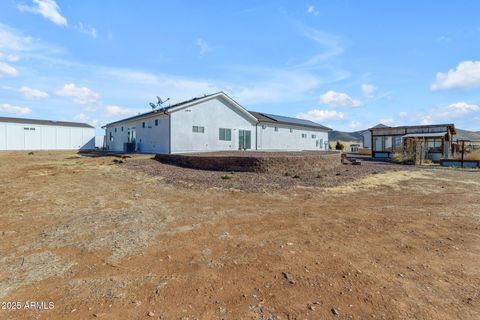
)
(345, 64)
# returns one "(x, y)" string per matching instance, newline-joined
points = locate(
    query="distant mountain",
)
(345, 136)
(467, 135)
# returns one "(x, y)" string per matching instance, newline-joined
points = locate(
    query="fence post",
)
(463, 151)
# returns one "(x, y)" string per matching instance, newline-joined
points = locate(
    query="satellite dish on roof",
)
(159, 103)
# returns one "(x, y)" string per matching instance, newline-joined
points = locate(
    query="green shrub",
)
(296, 176)
(226, 177)
(30, 153)
(339, 146)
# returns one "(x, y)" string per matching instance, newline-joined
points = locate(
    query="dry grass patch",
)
(391, 179)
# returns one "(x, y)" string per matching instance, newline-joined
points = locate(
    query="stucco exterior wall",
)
(175, 131)
(290, 138)
(25, 136)
(151, 139)
(212, 114)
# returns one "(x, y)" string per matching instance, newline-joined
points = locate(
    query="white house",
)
(34, 134)
(213, 123)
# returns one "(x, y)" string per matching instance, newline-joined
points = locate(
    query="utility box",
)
(129, 147)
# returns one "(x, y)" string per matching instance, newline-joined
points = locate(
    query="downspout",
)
(169, 133)
(256, 136)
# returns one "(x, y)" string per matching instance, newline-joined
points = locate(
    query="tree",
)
(339, 146)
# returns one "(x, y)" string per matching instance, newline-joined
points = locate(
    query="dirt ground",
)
(108, 240)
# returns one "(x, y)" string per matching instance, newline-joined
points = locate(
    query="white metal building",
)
(213, 123)
(33, 134)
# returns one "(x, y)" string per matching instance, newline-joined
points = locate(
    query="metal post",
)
(463, 151)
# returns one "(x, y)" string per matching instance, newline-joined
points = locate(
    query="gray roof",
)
(450, 126)
(425, 135)
(46, 122)
(273, 118)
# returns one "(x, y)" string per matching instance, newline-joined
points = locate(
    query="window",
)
(397, 143)
(276, 129)
(291, 130)
(115, 130)
(378, 144)
(111, 136)
(198, 129)
(121, 129)
(314, 136)
(264, 127)
(225, 134)
(434, 145)
(156, 122)
(143, 124)
(388, 143)
(304, 135)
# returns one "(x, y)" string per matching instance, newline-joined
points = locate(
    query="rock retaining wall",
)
(275, 163)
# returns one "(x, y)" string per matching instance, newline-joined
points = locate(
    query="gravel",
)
(258, 182)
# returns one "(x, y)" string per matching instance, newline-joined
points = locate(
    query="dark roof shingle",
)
(273, 118)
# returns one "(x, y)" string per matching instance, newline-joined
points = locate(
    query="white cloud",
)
(10, 40)
(31, 93)
(321, 115)
(81, 117)
(203, 46)
(339, 99)
(86, 29)
(49, 9)
(461, 108)
(8, 108)
(331, 44)
(369, 90)
(403, 114)
(9, 57)
(113, 110)
(443, 39)
(80, 95)
(455, 112)
(311, 9)
(465, 75)
(13, 43)
(248, 84)
(387, 121)
(6, 69)
(355, 125)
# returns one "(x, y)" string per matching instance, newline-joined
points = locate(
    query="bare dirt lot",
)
(144, 240)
